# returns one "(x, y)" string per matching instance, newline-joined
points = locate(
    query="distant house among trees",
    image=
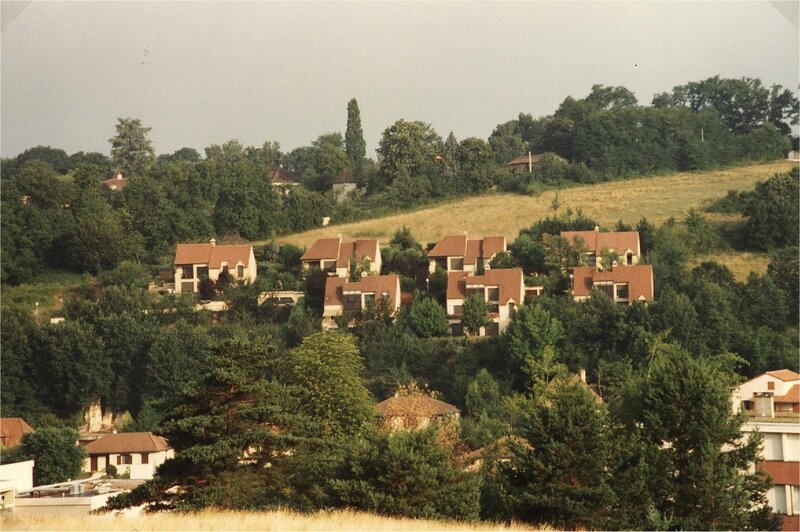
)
(343, 184)
(412, 409)
(374, 293)
(11, 431)
(117, 182)
(524, 163)
(455, 253)
(284, 179)
(134, 453)
(624, 246)
(623, 284)
(193, 262)
(334, 256)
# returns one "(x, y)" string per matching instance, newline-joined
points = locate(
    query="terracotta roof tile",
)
(282, 176)
(128, 442)
(510, 281)
(784, 375)
(473, 252)
(417, 405)
(786, 473)
(792, 396)
(377, 284)
(596, 241)
(12, 429)
(638, 277)
(493, 245)
(525, 159)
(449, 246)
(456, 288)
(214, 256)
(324, 248)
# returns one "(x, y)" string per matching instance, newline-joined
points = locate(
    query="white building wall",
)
(20, 474)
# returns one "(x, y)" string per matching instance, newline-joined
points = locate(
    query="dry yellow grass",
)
(740, 263)
(283, 521)
(656, 198)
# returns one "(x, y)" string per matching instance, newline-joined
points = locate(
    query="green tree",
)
(559, 472)
(611, 97)
(409, 474)
(773, 212)
(475, 165)
(327, 367)
(405, 147)
(354, 143)
(56, 453)
(530, 339)
(450, 154)
(131, 151)
(476, 314)
(427, 318)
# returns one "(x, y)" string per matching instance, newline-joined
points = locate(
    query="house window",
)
(240, 271)
(441, 264)
(606, 288)
(187, 272)
(493, 294)
(493, 329)
(328, 265)
(770, 386)
(202, 271)
(622, 291)
(629, 258)
(458, 310)
(145, 458)
(369, 299)
(124, 459)
(352, 302)
(457, 264)
(225, 269)
(457, 329)
(591, 259)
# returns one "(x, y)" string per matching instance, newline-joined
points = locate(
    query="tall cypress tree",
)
(354, 143)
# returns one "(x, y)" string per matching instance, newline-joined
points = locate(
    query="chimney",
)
(119, 175)
(764, 404)
(213, 241)
(583, 375)
(596, 228)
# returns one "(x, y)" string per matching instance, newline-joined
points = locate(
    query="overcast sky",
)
(204, 73)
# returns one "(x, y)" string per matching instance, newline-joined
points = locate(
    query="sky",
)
(202, 73)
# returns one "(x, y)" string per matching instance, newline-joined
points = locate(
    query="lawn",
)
(656, 198)
(47, 289)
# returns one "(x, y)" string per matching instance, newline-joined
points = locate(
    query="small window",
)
(622, 291)
(187, 272)
(770, 385)
(124, 459)
(240, 271)
(202, 271)
(225, 269)
(629, 258)
(458, 310)
(492, 294)
(457, 264)
(145, 458)
(591, 259)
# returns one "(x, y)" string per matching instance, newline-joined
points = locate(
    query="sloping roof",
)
(638, 277)
(415, 405)
(116, 182)
(12, 429)
(128, 442)
(792, 396)
(510, 282)
(377, 284)
(456, 288)
(576, 379)
(213, 255)
(784, 375)
(619, 241)
(525, 159)
(363, 249)
(282, 176)
(449, 246)
(493, 245)
(344, 177)
(323, 248)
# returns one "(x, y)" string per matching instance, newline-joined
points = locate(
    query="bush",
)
(111, 470)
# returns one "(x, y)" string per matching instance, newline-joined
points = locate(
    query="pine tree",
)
(450, 155)
(355, 147)
(131, 150)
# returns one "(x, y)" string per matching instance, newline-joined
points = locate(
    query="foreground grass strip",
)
(284, 521)
(656, 198)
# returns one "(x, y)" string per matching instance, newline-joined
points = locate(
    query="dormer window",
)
(629, 258)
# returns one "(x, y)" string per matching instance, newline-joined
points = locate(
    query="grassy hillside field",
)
(656, 198)
(282, 521)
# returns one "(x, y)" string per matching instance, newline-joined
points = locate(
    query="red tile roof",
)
(416, 405)
(784, 375)
(792, 396)
(12, 429)
(638, 277)
(781, 472)
(510, 282)
(323, 248)
(335, 249)
(471, 250)
(128, 442)
(449, 246)
(281, 176)
(525, 159)
(493, 245)
(377, 284)
(619, 241)
(213, 255)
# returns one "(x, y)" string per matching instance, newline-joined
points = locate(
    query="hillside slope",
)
(656, 198)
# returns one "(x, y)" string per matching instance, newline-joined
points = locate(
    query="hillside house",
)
(772, 403)
(455, 253)
(416, 411)
(11, 431)
(343, 296)
(502, 290)
(624, 243)
(136, 453)
(524, 163)
(283, 179)
(771, 393)
(116, 183)
(343, 184)
(195, 261)
(333, 256)
(623, 284)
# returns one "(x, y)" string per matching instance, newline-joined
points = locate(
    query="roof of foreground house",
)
(415, 405)
(128, 442)
(792, 396)
(213, 255)
(335, 287)
(510, 281)
(12, 430)
(638, 277)
(471, 250)
(596, 241)
(785, 375)
(335, 249)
